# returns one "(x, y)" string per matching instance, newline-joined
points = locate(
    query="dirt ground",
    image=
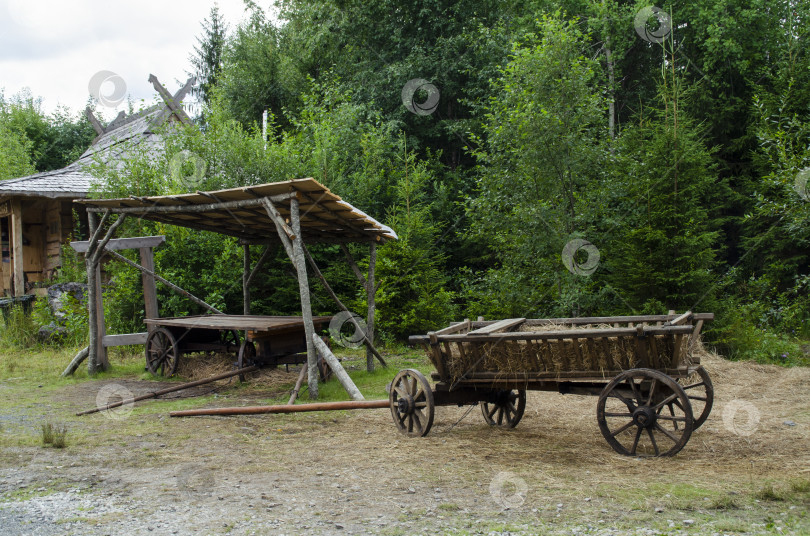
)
(746, 471)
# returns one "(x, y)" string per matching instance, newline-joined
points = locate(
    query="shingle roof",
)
(121, 136)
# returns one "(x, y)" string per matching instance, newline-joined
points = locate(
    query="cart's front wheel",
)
(644, 412)
(504, 407)
(411, 400)
(698, 387)
(162, 354)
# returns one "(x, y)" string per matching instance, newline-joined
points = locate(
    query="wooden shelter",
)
(291, 213)
(36, 216)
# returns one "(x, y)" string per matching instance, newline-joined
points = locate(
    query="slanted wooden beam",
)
(338, 369)
(285, 234)
(166, 282)
(353, 265)
(171, 101)
(340, 304)
(94, 121)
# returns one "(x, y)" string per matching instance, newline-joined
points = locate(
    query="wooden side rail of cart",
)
(652, 390)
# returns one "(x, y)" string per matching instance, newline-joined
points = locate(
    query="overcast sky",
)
(56, 47)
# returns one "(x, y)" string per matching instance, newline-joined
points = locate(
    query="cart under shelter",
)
(290, 213)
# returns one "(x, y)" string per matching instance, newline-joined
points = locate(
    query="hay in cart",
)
(645, 370)
(559, 347)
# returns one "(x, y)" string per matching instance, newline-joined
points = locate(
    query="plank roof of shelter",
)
(123, 136)
(325, 217)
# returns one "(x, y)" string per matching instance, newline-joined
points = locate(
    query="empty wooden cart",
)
(271, 340)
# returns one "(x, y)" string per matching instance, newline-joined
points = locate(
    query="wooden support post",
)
(303, 286)
(97, 353)
(246, 279)
(371, 291)
(101, 362)
(150, 303)
(95, 345)
(17, 248)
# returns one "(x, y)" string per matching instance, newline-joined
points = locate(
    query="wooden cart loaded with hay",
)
(652, 390)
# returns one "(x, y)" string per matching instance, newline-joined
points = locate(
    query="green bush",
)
(738, 336)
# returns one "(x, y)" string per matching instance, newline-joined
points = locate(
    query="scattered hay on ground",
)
(201, 366)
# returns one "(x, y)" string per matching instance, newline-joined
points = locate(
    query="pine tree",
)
(207, 57)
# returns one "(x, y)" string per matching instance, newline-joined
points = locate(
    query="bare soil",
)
(746, 471)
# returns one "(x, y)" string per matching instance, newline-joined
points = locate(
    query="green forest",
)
(537, 159)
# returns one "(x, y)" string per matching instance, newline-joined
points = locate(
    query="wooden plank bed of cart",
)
(652, 390)
(271, 340)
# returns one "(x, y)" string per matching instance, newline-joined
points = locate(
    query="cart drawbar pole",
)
(255, 410)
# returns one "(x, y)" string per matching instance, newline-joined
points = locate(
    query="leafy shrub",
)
(739, 336)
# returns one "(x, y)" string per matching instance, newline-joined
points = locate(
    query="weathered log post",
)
(303, 286)
(371, 291)
(97, 353)
(246, 279)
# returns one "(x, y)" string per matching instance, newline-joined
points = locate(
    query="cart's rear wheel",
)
(412, 405)
(699, 389)
(504, 407)
(230, 340)
(162, 353)
(247, 357)
(644, 412)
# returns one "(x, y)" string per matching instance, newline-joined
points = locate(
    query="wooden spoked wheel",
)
(162, 353)
(246, 358)
(504, 407)
(699, 389)
(230, 340)
(643, 412)
(411, 400)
